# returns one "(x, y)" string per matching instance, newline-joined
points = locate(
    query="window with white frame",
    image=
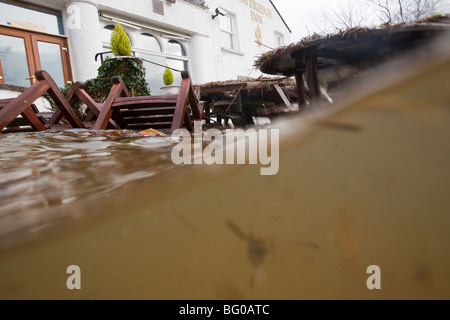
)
(227, 32)
(279, 39)
(175, 60)
(16, 14)
(149, 49)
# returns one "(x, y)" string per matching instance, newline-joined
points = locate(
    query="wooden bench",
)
(77, 92)
(118, 111)
(140, 113)
(150, 112)
(22, 105)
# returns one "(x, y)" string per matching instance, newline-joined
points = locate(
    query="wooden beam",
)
(182, 101)
(312, 77)
(55, 93)
(301, 90)
(118, 89)
(57, 115)
(283, 97)
(18, 105)
(34, 120)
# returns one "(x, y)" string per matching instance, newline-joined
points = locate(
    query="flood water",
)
(364, 184)
(42, 173)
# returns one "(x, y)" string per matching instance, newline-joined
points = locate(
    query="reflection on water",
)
(42, 173)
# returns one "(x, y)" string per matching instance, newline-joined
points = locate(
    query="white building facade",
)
(215, 40)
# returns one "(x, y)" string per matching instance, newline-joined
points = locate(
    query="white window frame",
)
(233, 33)
(134, 33)
(279, 36)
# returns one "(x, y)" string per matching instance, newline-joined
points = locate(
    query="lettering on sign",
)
(258, 7)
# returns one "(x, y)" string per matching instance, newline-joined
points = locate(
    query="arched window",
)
(156, 52)
(148, 42)
(149, 49)
(155, 59)
(174, 48)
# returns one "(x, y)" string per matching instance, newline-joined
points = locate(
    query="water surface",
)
(51, 175)
(364, 183)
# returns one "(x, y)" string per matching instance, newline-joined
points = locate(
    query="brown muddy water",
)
(364, 183)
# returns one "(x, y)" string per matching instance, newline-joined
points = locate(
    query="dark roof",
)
(356, 46)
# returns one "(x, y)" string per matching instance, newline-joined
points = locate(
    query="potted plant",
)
(169, 87)
(130, 68)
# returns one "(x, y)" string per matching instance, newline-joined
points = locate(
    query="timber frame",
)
(361, 48)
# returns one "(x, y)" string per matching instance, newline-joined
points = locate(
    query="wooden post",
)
(301, 90)
(186, 96)
(181, 106)
(312, 77)
(118, 89)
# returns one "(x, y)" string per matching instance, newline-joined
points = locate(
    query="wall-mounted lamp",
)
(219, 11)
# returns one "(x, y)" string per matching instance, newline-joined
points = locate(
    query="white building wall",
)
(248, 17)
(82, 26)
(208, 61)
(203, 66)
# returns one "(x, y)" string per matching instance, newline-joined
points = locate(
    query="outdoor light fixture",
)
(219, 11)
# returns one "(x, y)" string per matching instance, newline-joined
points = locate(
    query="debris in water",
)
(152, 133)
(258, 248)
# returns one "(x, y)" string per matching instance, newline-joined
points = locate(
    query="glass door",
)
(15, 67)
(22, 53)
(52, 56)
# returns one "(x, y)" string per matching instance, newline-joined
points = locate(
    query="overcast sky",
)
(304, 17)
(301, 16)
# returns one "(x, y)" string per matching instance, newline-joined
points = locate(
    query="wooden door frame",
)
(62, 42)
(18, 33)
(2, 78)
(31, 47)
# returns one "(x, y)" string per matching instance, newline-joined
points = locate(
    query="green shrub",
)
(168, 77)
(120, 43)
(132, 72)
(77, 106)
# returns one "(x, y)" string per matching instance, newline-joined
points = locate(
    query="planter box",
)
(172, 89)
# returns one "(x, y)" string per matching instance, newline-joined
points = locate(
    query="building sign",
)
(258, 13)
(258, 10)
(259, 36)
(28, 25)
